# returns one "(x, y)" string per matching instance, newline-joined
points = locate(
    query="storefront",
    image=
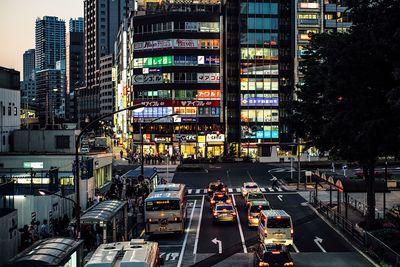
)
(163, 144)
(215, 145)
(185, 144)
(248, 150)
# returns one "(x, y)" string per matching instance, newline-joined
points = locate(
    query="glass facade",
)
(259, 72)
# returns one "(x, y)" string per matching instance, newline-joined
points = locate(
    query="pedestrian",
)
(121, 153)
(44, 230)
(274, 182)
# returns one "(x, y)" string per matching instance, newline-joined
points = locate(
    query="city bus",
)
(134, 253)
(165, 209)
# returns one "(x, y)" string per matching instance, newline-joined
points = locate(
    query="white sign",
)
(215, 138)
(151, 45)
(147, 79)
(208, 77)
(185, 43)
(200, 60)
(33, 165)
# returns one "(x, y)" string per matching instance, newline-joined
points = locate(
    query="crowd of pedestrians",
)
(36, 230)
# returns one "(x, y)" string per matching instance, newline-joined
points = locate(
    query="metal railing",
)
(374, 247)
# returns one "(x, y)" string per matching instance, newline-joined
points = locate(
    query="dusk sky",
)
(17, 20)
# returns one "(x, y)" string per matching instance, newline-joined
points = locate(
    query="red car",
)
(217, 186)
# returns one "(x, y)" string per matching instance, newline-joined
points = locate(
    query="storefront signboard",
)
(162, 139)
(215, 138)
(260, 101)
(185, 137)
(178, 103)
(33, 165)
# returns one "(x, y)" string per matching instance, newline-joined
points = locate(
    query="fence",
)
(375, 248)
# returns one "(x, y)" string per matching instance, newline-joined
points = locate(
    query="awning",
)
(102, 212)
(147, 172)
(46, 252)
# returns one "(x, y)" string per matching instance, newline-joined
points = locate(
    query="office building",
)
(29, 64)
(106, 86)
(76, 25)
(9, 106)
(75, 71)
(49, 42)
(102, 20)
(50, 96)
(174, 67)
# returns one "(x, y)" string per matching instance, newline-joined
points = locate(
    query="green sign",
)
(34, 165)
(157, 61)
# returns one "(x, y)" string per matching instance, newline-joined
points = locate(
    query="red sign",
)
(209, 94)
(178, 103)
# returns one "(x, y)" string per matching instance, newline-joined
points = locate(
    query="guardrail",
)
(374, 247)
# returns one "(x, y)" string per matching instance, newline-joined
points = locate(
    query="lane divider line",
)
(186, 236)
(198, 226)
(240, 226)
(295, 248)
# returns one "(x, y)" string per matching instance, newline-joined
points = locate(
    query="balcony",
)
(335, 8)
(309, 23)
(308, 6)
(331, 23)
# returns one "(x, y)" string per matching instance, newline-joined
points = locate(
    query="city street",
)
(206, 244)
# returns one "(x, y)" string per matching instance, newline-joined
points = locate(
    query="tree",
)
(349, 103)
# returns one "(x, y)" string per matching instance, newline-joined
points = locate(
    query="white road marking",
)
(251, 177)
(190, 191)
(240, 227)
(186, 236)
(238, 190)
(205, 191)
(263, 190)
(295, 248)
(219, 242)
(197, 191)
(198, 226)
(280, 197)
(279, 189)
(270, 189)
(230, 190)
(318, 241)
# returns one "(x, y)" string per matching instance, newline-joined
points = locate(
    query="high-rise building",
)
(253, 81)
(28, 85)
(50, 95)
(76, 25)
(106, 85)
(174, 66)
(102, 20)
(49, 42)
(75, 71)
(29, 64)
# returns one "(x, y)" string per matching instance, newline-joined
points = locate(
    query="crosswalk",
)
(202, 191)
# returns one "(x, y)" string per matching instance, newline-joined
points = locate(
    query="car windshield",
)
(159, 205)
(220, 198)
(227, 207)
(275, 258)
(256, 196)
(258, 208)
(278, 223)
(251, 186)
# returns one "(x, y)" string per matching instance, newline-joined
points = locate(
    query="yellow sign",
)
(201, 139)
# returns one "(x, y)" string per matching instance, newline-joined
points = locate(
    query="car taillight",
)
(265, 232)
(291, 232)
(149, 220)
(276, 252)
(290, 263)
(250, 217)
(209, 190)
(215, 213)
(212, 201)
(224, 189)
(261, 263)
(233, 213)
(229, 201)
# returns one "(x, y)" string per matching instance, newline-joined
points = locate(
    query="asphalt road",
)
(315, 243)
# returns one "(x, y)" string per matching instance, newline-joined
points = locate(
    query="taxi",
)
(273, 255)
(219, 197)
(253, 212)
(250, 197)
(217, 186)
(224, 212)
(249, 187)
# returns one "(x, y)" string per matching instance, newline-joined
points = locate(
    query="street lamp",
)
(141, 140)
(44, 192)
(137, 108)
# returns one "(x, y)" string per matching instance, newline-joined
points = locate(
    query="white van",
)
(275, 227)
(136, 253)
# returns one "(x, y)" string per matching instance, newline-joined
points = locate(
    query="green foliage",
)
(349, 103)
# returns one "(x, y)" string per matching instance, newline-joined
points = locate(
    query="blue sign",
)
(260, 101)
(188, 119)
(263, 134)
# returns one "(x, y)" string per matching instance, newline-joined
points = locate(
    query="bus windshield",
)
(159, 205)
(278, 223)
